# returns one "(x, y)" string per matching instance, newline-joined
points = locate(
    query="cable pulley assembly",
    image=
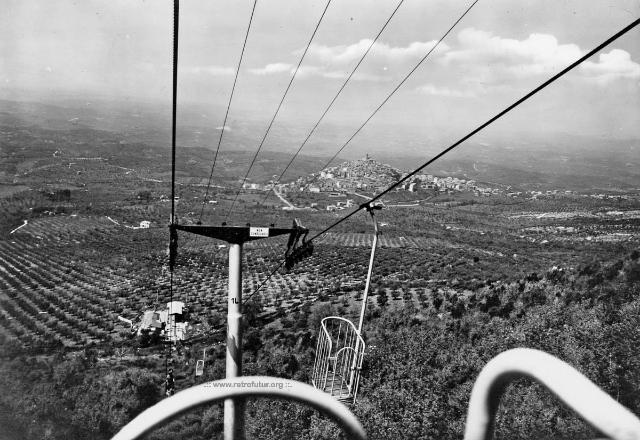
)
(298, 248)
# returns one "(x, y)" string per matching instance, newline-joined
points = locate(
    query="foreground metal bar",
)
(233, 408)
(242, 387)
(569, 385)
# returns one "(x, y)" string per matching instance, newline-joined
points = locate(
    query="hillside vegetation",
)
(458, 279)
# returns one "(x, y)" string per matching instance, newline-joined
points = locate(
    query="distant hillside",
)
(531, 161)
(567, 162)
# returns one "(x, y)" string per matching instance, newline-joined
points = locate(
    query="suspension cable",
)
(485, 124)
(176, 10)
(384, 101)
(172, 231)
(224, 123)
(272, 273)
(334, 99)
(255, 156)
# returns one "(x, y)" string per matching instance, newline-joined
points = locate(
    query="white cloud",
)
(208, 70)
(272, 68)
(537, 54)
(335, 74)
(336, 62)
(381, 52)
(308, 71)
(494, 61)
(341, 54)
(611, 66)
(430, 89)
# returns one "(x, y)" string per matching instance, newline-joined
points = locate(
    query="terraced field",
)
(65, 279)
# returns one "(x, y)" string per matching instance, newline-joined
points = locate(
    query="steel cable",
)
(255, 156)
(334, 98)
(224, 123)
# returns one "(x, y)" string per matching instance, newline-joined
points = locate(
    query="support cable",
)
(384, 101)
(334, 99)
(464, 138)
(172, 230)
(273, 272)
(485, 124)
(176, 11)
(255, 156)
(224, 123)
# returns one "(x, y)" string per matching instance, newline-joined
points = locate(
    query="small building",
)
(169, 322)
(176, 325)
(151, 321)
(144, 224)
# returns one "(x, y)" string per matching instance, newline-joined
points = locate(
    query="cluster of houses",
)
(339, 206)
(363, 174)
(371, 176)
(258, 186)
(442, 184)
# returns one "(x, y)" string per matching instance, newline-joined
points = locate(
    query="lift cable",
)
(257, 289)
(385, 100)
(334, 99)
(255, 156)
(172, 230)
(470, 134)
(224, 123)
(485, 124)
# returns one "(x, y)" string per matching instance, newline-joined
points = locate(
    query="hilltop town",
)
(370, 176)
(364, 178)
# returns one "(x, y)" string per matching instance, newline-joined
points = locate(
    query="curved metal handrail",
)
(317, 380)
(338, 318)
(238, 387)
(323, 326)
(347, 322)
(343, 349)
(568, 384)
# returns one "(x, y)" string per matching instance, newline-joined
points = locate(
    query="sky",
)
(121, 49)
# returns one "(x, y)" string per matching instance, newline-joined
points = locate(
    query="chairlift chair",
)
(340, 347)
(199, 367)
(200, 363)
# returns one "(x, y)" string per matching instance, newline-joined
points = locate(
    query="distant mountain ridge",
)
(529, 161)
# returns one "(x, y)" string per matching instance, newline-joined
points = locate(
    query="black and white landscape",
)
(525, 235)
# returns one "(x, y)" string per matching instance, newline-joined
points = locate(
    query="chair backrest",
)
(199, 367)
(339, 354)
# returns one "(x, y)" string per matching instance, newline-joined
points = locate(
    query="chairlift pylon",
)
(340, 347)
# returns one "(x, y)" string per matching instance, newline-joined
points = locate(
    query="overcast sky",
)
(122, 49)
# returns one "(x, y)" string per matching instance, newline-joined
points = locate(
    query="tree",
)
(113, 400)
(381, 298)
(144, 195)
